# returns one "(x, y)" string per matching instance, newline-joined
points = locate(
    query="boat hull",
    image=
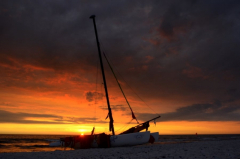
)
(130, 139)
(155, 135)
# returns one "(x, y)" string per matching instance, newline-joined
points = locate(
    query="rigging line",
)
(103, 48)
(141, 98)
(123, 127)
(134, 91)
(133, 116)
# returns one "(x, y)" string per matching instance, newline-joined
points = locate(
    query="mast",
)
(111, 127)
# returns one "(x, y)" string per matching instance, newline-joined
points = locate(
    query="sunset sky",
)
(180, 57)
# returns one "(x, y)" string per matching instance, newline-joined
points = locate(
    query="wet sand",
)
(224, 149)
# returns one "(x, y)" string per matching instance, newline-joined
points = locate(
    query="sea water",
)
(31, 143)
(28, 143)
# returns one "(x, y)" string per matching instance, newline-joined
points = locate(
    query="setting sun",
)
(82, 131)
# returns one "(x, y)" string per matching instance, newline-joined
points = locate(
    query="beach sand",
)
(224, 149)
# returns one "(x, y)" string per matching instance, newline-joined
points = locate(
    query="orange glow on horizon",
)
(60, 106)
(164, 128)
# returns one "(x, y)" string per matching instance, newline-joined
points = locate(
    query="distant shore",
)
(200, 149)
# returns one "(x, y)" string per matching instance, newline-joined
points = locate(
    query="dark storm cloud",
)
(22, 118)
(115, 107)
(169, 50)
(85, 120)
(7, 104)
(195, 51)
(41, 33)
(200, 112)
(93, 96)
(9, 117)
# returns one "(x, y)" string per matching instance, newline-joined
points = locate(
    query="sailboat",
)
(130, 137)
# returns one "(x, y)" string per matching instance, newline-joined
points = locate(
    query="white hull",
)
(155, 136)
(130, 139)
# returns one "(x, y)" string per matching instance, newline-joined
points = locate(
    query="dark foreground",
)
(219, 149)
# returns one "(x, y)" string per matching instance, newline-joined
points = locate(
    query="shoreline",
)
(199, 149)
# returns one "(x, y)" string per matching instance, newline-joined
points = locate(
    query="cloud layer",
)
(30, 118)
(200, 112)
(186, 52)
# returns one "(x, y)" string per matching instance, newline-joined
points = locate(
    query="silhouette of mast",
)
(111, 127)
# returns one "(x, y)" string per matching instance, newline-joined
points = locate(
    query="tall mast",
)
(111, 127)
